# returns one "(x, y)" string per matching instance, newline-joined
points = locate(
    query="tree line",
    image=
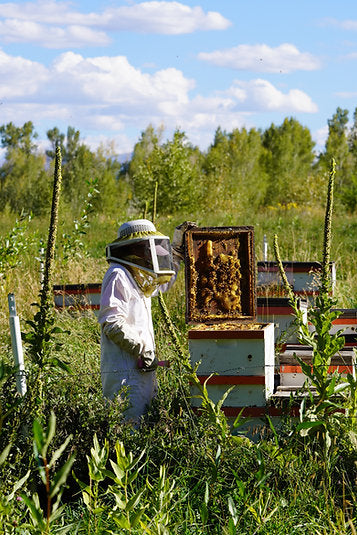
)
(242, 168)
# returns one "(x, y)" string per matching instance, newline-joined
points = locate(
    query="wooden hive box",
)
(224, 336)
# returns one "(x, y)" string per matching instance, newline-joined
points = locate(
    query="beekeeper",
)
(141, 262)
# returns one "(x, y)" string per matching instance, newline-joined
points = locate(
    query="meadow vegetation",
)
(68, 461)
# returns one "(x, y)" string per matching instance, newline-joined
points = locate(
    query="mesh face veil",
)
(151, 254)
(145, 251)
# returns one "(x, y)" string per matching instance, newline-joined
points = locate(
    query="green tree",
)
(216, 167)
(289, 163)
(114, 191)
(24, 182)
(175, 168)
(233, 169)
(350, 192)
(80, 164)
(337, 147)
(18, 137)
(149, 140)
(76, 163)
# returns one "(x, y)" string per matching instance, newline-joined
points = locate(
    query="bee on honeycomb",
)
(217, 281)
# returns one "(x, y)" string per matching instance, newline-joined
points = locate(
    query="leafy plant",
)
(323, 411)
(132, 500)
(43, 521)
(40, 339)
(212, 410)
(72, 243)
(324, 345)
(7, 522)
(12, 246)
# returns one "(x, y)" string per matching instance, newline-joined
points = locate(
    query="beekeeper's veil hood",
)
(145, 252)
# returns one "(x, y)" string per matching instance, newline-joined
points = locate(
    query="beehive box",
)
(291, 373)
(303, 278)
(278, 310)
(224, 337)
(77, 297)
(220, 275)
(346, 324)
(238, 354)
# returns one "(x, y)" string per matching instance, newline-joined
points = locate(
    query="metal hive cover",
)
(220, 275)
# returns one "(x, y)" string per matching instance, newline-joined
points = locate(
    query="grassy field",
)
(180, 473)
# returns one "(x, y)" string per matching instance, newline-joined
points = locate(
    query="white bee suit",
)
(126, 333)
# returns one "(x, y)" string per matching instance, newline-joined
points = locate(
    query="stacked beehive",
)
(304, 280)
(231, 347)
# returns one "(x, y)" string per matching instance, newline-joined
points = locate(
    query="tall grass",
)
(193, 480)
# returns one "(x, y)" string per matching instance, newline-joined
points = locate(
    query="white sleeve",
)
(114, 313)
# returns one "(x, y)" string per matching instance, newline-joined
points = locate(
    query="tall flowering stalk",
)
(325, 279)
(318, 337)
(52, 233)
(40, 338)
(171, 328)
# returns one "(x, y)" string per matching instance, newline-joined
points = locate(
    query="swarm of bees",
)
(226, 327)
(215, 284)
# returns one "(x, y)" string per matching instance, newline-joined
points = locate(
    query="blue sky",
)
(111, 68)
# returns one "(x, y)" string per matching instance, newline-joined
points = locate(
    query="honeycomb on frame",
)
(220, 275)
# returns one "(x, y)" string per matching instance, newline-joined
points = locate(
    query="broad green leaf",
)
(35, 510)
(136, 517)
(233, 510)
(204, 513)
(206, 497)
(133, 502)
(4, 454)
(61, 477)
(50, 433)
(56, 362)
(38, 435)
(18, 485)
(57, 454)
(118, 471)
(122, 522)
(305, 427)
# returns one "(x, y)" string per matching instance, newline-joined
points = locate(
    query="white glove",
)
(177, 243)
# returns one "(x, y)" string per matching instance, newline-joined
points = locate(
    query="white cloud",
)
(46, 11)
(55, 25)
(262, 58)
(347, 24)
(321, 136)
(108, 95)
(351, 55)
(20, 31)
(118, 144)
(346, 94)
(261, 95)
(20, 77)
(171, 18)
(112, 81)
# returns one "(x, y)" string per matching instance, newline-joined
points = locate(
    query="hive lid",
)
(220, 275)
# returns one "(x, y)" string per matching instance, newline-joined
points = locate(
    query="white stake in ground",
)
(265, 248)
(17, 346)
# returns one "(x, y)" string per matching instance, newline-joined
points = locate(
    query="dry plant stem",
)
(48, 512)
(325, 283)
(171, 328)
(183, 360)
(50, 251)
(287, 286)
(146, 207)
(154, 204)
